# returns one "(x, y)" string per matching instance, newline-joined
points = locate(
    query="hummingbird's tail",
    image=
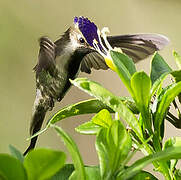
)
(37, 121)
(41, 106)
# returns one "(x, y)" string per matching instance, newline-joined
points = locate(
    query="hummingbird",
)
(77, 51)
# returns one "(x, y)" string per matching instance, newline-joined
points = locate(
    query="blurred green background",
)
(22, 22)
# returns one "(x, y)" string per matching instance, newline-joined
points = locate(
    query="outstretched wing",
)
(136, 46)
(46, 58)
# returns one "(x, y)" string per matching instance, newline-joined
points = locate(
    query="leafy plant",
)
(145, 112)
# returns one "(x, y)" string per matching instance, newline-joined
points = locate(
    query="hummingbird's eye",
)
(81, 40)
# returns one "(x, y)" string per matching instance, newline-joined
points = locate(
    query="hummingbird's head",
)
(82, 35)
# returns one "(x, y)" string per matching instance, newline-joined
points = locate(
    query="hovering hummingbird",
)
(80, 48)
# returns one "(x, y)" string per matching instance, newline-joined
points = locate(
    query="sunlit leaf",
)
(11, 168)
(88, 128)
(113, 145)
(83, 107)
(74, 152)
(102, 94)
(141, 86)
(43, 163)
(125, 67)
(170, 153)
(103, 118)
(166, 97)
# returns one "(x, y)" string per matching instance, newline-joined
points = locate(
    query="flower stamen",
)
(104, 33)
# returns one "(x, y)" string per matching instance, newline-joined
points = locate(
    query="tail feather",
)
(36, 125)
(39, 112)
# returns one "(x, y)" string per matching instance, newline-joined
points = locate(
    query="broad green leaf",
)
(64, 173)
(43, 163)
(114, 102)
(177, 59)
(16, 153)
(11, 168)
(166, 97)
(141, 86)
(113, 145)
(125, 67)
(88, 107)
(88, 128)
(170, 153)
(158, 67)
(143, 175)
(92, 173)
(74, 152)
(103, 118)
(83, 107)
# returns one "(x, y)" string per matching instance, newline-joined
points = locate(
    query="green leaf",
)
(64, 173)
(88, 128)
(43, 163)
(177, 174)
(158, 84)
(125, 67)
(172, 142)
(141, 86)
(176, 75)
(92, 173)
(170, 153)
(143, 175)
(74, 152)
(11, 168)
(103, 118)
(166, 97)
(16, 153)
(84, 107)
(114, 102)
(113, 145)
(129, 102)
(158, 67)
(177, 59)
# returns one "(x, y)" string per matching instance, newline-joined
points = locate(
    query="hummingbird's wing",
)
(46, 58)
(93, 60)
(138, 46)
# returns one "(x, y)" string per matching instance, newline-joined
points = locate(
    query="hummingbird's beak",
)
(86, 49)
